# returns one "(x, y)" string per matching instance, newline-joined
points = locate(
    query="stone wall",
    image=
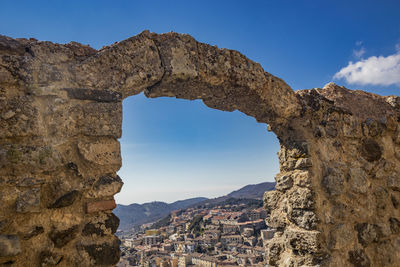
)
(338, 193)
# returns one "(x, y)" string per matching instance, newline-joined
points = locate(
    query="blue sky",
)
(173, 149)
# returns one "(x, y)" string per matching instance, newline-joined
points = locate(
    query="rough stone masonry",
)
(337, 199)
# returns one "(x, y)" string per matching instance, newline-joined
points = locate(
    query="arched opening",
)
(168, 143)
(177, 150)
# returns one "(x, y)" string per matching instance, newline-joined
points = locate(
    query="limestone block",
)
(303, 218)
(105, 152)
(106, 186)
(302, 242)
(271, 200)
(283, 182)
(9, 245)
(95, 119)
(301, 198)
(274, 248)
(302, 178)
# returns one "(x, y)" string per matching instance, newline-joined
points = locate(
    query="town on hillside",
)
(220, 235)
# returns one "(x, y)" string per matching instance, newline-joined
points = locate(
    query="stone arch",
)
(337, 197)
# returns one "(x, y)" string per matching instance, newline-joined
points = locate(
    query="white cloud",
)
(358, 43)
(358, 53)
(373, 71)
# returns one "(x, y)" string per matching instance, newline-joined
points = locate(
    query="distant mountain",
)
(253, 191)
(246, 193)
(136, 214)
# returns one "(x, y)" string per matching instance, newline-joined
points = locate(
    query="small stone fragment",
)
(359, 258)
(65, 200)
(9, 245)
(394, 225)
(393, 182)
(34, 232)
(48, 258)
(30, 181)
(61, 238)
(8, 115)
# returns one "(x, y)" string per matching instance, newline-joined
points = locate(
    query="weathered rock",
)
(29, 201)
(301, 198)
(333, 182)
(106, 186)
(48, 258)
(9, 245)
(30, 182)
(370, 150)
(102, 153)
(96, 95)
(303, 218)
(303, 163)
(110, 225)
(303, 242)
(61, 117)
(104, 254)
(65, 200)
(368, 233)
(359, 259)
(283, 182)
(394, 225)
(62, 238)
(358, 180)
(393, 181)
(37, 230)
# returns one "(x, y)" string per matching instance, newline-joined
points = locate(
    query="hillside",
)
(253, 191)
(134, 215)
(137, 214)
